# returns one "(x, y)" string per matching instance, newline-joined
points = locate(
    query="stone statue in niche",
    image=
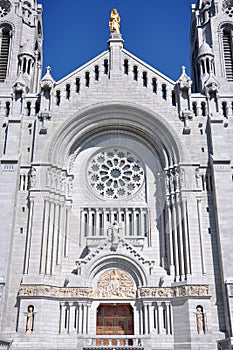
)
(114, 23)
(200, 320)
(30, 319)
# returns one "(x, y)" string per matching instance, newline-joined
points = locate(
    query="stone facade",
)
(117, 193)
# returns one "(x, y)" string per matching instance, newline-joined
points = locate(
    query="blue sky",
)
(75, 31)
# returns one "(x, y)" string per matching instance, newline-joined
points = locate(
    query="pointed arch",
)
(5, 43)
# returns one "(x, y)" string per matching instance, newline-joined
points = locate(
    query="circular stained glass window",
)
(5, 7)
(115, 173)
(228, 7)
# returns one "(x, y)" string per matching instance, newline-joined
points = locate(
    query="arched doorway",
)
(115, 319)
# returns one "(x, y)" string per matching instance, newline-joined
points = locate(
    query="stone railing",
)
(114, 341)
(225, 344)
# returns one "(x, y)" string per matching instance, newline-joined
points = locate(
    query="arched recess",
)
(149, 130)
(146, 124)
(5, 46)
(99, 265)
(226, 41)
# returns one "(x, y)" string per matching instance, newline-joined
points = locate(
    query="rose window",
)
(228, 7)
(115, 173)
(5, 7)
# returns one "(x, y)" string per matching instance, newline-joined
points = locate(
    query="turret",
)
(20, 43)
(212, 43)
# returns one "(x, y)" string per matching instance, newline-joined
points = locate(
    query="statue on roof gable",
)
(114, 23)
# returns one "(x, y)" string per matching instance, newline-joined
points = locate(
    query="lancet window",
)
(5, 40)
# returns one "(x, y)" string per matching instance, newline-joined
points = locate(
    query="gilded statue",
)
(114, 23)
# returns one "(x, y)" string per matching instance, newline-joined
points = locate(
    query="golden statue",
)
(114, 23)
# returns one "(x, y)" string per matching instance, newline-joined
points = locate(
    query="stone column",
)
(97, 222)
(29, 236)
(180, 239)
(151, 318)
(44, 236)
(199, 212)
(48, 266)
(186, 238)
(168, 318)
(127, 222)
(160, 318)
(146, 319)
(80, 318)
(72, 323)
(62, 317)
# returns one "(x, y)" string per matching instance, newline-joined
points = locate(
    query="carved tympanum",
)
(115, 284)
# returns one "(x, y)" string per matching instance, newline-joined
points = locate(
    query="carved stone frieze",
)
(174, 292)
(114, 285)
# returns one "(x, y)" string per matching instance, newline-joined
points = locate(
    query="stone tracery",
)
(115, 173)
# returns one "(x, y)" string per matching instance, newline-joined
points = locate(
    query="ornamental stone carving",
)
(115, 284)
(115, 173)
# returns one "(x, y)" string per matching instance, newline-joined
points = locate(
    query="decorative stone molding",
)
(124, 291)
(115, 173)
(58, 180)
(175, 292)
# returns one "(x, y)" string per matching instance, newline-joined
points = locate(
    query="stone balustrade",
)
(121, 342)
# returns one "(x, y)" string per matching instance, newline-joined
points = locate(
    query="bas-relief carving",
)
(115, 284)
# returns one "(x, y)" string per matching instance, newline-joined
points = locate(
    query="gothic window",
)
(164, 92)
(173, 98)
(228, 52)
(224, 109)
(228, 7)
(5, 37)
(203, 109)
(68, 91)
(154, 85)
(5, 7)
(195, 108)
(7, 109)
(105, 66)
(144, 78)
(96, 73)
(58, 98)
(77, 85)
(87, 79)
(115, 173)
(126, 67)
(135, 73)
(28, 109)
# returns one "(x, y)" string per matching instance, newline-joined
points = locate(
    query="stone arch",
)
(122, 262)
(141, 123)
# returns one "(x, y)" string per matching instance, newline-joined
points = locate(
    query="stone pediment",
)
(115, 245)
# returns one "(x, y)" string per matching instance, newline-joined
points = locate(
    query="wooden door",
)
(115, 320)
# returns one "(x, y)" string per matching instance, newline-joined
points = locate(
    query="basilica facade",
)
(116, 193)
